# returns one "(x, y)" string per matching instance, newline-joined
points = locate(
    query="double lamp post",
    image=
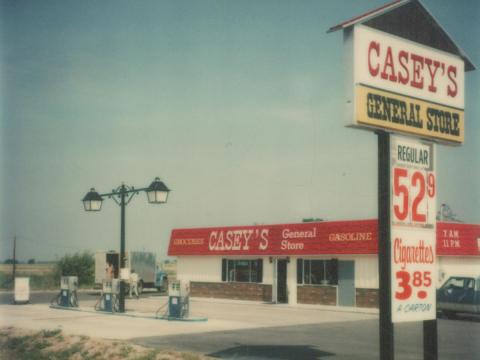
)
(157, 193)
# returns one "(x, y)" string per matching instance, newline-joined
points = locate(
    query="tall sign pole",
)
(386, 335)
(430, 340)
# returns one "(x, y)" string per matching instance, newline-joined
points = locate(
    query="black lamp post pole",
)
(122, 247)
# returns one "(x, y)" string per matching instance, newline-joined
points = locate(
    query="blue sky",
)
(236, 105)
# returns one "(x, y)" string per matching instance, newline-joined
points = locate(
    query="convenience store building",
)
(328, 263)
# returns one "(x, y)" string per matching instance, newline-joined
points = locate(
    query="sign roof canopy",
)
(409, 19)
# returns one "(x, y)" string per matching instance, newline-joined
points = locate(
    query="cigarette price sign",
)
(413, 233)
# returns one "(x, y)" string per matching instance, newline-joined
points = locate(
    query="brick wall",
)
(367, 298)
(232, 290)
(306, 294)
(324, 295)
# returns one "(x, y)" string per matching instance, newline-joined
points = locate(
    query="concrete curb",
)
(298, 306)
(129, 314)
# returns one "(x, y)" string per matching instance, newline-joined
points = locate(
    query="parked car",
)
(459, 294)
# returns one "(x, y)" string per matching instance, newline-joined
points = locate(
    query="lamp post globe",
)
(157, 192)
(92, 201)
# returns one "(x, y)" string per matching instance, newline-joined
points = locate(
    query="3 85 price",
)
(412, 189)
(407, 282)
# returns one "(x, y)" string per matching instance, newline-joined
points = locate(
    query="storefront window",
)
(242, 270)
(256, 271)
(317, 272)
(331, 268)
(231, 270)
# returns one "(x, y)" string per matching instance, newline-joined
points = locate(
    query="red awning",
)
(315, 238)
(458, 239)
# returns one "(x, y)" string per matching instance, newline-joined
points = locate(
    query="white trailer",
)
(144, 264)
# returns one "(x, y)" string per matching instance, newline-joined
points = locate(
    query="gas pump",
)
(68, 292)
(178, 299)
(109, 297)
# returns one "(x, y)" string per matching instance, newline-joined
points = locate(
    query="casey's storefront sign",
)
(328, 238)
(338, 237)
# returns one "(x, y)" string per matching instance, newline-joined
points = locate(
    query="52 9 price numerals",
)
(405, 181)
(407, 282)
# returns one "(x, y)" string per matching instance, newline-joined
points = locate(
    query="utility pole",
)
(14, 257)
(123, 193)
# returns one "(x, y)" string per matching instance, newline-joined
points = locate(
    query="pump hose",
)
(56, 299)
(74, 299)
(160, 308)
(115, 303)
(186, 306)
(97, 304)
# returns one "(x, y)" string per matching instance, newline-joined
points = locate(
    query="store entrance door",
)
(282, 296)
(346, 283)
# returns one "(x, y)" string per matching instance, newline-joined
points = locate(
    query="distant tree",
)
(306, 220)
(78, 264)
(31, 261)
(10, 261)
(446, 214)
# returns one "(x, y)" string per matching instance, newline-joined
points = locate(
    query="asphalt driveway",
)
(348, 340)
(248, 330)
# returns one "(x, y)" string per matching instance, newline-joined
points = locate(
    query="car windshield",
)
(459, 283)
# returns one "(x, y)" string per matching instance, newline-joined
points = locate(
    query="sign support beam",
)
(430, 342)
(386, 334)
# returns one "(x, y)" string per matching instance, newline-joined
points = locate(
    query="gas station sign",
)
(413, 232)
(326, 237)
(405, 76)
(384, 109)
(406, 87)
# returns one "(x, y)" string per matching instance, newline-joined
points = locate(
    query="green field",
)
(28, 268)
(41, 275)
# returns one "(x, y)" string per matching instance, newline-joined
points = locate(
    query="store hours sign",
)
(413, 233)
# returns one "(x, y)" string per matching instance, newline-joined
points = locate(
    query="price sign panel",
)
(413, 233)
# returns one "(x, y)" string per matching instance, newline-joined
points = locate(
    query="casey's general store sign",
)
(406, 87)
(338, 237)
(328, 238)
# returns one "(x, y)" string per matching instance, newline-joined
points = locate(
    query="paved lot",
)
(338, 340)
(237, 330)
(140, 322)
